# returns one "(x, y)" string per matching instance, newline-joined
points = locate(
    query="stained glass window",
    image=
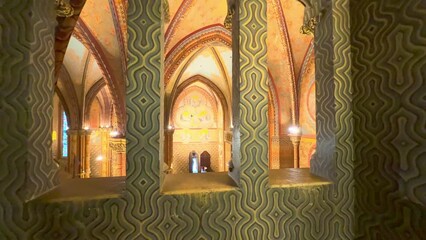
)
(64, 135)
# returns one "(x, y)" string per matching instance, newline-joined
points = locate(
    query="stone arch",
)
(193, 42)
(85, 36)
(66, 91)
(90, 97)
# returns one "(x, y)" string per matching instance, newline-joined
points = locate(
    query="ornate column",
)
(228, 149)
(85, 153)
(295, 140)
(73, 153)
(26, 90)
(274, 161)
(250, 99)
(79, 153)
(117, 165)
(106, 161)
(168, 147)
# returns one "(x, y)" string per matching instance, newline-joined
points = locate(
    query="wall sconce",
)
(99, 158)
(86, 128)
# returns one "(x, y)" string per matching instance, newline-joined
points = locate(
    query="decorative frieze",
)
(118, 145)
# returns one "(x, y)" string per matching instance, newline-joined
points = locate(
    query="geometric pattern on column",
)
(253, 102)
(143, 104)
(389, 78)
(143, 213)
(26, 93)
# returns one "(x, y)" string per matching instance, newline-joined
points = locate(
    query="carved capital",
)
(295, 139)
(63, 8)
(309, 27)
(230, 14)
(118, 145)
(166, 11)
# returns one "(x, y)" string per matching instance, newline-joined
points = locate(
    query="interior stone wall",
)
(286, 152)
(181, 152)
(307, 149)
(95, 151)
(307, 112)
(389, 76)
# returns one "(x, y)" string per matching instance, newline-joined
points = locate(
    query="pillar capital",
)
(295, 138)
(118, 144)
(169, 131)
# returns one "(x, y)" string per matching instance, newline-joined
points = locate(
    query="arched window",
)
(64, 135)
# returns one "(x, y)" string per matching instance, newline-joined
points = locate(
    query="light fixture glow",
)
(99, 158)
(294, 130)
(114, 133)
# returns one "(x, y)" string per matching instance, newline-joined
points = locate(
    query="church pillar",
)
(274, 161)
(117, 157)
(295, 140)
(250, 98)
(79, 153)
(73, 153)
(26, 86)
(106, 161)
(228, 149)
(168, 146)
(85, 153)
(144, 101)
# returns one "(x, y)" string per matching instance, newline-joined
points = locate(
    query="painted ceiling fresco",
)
(82, 68)
(287, 47)
(102, 29)
(195, 109)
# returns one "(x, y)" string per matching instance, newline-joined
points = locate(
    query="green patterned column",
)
(389, 109)
(253, 99)
(143, 104)
(334, 156)
(26, 93)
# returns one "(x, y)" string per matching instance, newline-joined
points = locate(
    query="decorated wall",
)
(371, 198)
(307, 111)
(389, 103)
(198, 121)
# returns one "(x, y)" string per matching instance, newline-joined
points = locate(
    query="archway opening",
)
(197, 124)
